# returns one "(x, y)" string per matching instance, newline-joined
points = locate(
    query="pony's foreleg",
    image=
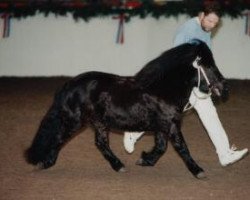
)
(180, 146)
(150, 158)
(102, 143)
(55, 129)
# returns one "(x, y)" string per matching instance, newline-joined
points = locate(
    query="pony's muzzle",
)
(220, 90)
(216, 91)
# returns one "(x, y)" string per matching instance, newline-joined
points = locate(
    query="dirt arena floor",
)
(81, 173)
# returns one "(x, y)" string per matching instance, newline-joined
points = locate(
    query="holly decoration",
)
(87, 9)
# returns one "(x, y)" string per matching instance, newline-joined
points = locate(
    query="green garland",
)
(147, 8)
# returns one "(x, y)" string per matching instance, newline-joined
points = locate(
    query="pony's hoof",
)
(123, 170)
(39, 166)
(201, 175)
(143, 162)
(139, 162)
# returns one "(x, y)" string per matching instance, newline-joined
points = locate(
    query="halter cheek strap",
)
(200, 71)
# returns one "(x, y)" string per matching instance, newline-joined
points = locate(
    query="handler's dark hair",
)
(212, 7)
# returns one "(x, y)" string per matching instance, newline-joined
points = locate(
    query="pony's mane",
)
(170, 60)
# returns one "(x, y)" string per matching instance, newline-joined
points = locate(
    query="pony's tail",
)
(44, 148)
(62, 120)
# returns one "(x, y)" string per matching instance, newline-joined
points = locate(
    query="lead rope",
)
(200, 71)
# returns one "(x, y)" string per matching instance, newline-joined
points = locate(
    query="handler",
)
(200, 28)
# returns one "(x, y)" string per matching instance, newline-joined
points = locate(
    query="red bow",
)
(247, 26)
(120, 32)
(6, 24)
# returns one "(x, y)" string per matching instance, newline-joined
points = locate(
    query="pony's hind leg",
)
(102, 143)
(180, 146)
(150, 158)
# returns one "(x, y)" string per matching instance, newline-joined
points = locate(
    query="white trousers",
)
(206, 110)
(209, 117)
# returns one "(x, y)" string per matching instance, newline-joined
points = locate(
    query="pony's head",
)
(209, 78)
(175, 69)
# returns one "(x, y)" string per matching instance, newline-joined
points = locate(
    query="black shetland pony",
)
(152, 100)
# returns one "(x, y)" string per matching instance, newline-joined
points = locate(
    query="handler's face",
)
(209, 22)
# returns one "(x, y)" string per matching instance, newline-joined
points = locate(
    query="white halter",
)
(200, 71)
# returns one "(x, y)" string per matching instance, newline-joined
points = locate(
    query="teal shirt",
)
(192, 30)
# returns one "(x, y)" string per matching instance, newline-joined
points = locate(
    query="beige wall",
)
(40, 46)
